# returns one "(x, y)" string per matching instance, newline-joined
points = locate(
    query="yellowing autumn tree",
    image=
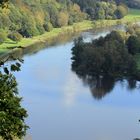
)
(63, 18)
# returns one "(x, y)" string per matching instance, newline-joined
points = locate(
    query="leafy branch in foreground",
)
(12, 115)
(3, 3)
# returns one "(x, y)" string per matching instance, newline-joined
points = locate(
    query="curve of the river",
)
(62, 107)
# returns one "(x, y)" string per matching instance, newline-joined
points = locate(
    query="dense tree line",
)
(27, 18)
(112, 55)
(30, 18)
(108, 9)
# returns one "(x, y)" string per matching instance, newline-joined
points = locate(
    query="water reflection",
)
(60, 107)
(132, 84)
(40, 46)
(102, 86)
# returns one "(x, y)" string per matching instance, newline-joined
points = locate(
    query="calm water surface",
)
(62, 107)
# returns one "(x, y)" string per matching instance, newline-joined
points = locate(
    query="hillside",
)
(34, 17)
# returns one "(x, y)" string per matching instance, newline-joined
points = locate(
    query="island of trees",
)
(104, 61)
(113, 55)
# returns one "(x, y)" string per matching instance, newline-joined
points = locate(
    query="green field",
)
(134, 12)
(8, 45)
(133, 16)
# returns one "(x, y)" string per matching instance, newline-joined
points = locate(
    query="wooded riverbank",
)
(8, 45)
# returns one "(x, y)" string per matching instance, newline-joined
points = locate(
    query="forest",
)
(26, 18)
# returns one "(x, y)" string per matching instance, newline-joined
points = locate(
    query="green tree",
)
(121, 11)
(104, 56)
(53, 12)
(12, 115)
(28, 27)
(133, 44)
(75, 14)
(48, 27)
(101, 13)
(63, 18)
(77, 50)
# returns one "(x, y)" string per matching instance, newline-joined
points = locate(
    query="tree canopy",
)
(34, 17)
(106, 56)
(102, 62)
(12, 114)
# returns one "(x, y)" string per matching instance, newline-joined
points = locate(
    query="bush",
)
(63, 18)
(2, 37)
(70, 22)
(48, 27)
(121, 11)
(40, 28)
(15, 36)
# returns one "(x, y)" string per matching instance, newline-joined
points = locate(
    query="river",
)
(61, 106)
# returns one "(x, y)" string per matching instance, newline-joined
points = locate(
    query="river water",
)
(61, 106)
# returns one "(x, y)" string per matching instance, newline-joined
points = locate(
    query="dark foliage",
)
(104, 56)
(15, 36)
(133, 44)
(12, 115)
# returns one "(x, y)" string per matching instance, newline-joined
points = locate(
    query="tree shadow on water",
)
(99, 86)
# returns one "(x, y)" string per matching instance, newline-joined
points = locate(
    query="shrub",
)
(70, 22)
(121, 11)
(2, 37)
(48, 27)
(40, 28)
(15, 36)
(63, 18)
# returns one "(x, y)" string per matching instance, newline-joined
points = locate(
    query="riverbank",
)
(133, 16)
